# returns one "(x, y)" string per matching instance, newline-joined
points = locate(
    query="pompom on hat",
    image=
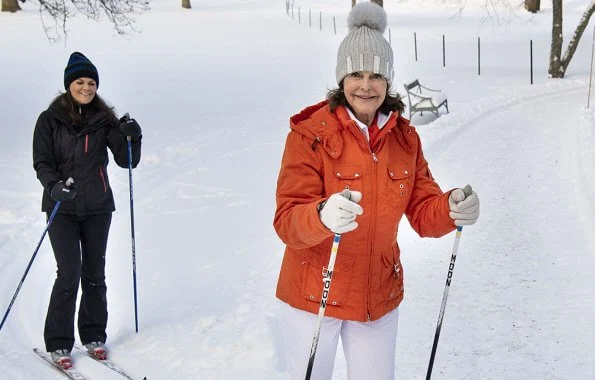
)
(79, 66)
(365, 48)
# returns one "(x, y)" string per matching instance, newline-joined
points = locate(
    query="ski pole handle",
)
(467, 190)
(126, 117)
(346, 193)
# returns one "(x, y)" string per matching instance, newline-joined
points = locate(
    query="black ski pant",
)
(79, 244)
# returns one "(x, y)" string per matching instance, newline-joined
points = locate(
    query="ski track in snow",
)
(498, 266)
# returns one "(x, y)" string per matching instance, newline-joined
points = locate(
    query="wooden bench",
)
(420, 101)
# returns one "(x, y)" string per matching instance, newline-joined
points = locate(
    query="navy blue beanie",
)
(79, 66)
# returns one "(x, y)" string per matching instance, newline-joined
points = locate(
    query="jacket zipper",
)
(103, 179)
(368, 143)
(315, 143)
(372, 225)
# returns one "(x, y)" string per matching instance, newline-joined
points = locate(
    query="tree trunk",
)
(10, 6)
(379, 2)
(352, 3)
(576, 37)
(559, 64)
(532, 5)
(186, 4)
(555, 70)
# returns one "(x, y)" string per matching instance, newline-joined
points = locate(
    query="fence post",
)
(591, 71)
(334, 25)
(531, 58)
(443, 51)
(299, 15)
(478, 56)
(292, 11)
(415, 44)
(321, 21)
(310, 17)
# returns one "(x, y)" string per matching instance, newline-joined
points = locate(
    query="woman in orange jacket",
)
(356, 139)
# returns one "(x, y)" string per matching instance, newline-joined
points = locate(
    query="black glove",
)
(129, 127)
(63, 192)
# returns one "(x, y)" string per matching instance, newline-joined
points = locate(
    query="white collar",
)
(381, 122)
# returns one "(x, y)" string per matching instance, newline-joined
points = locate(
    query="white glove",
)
(339, 212)
(464, 206)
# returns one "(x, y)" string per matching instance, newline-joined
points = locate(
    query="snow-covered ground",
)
(213, 88)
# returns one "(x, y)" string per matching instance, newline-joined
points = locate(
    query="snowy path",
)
(515, 257)
(507, 263)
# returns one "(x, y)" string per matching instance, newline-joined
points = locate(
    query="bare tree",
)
(118, 12)
(496, 11)
(559, 63)
(10, 6)
(186, 4)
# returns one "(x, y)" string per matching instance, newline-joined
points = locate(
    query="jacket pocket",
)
(316, 278)
(346, 175)
(103, 178)
(392, 275)
(399, 183)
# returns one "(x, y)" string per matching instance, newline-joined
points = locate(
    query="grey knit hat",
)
(365, 48)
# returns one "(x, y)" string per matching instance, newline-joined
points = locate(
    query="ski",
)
(71, 372)
(107, 362)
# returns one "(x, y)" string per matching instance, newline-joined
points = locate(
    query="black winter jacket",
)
(62, 150)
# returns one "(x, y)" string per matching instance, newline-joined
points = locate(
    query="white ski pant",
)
(369, 347)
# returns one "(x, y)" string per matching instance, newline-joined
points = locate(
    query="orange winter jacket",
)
(326, 152)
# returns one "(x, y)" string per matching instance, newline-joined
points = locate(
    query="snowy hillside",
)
(213, 88)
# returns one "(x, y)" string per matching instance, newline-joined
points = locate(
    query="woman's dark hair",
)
(70, 107)
(392, 101)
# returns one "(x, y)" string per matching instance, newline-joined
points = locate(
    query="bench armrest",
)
(429, 89)
(419, 96)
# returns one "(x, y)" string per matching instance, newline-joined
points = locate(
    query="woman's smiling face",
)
(365, 92)
(83, 90)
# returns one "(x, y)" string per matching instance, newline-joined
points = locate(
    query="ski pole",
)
(69, 181)
(325, 291)
(129, 141)
(467, 190)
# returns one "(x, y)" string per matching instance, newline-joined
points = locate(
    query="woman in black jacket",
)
(70, 156)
